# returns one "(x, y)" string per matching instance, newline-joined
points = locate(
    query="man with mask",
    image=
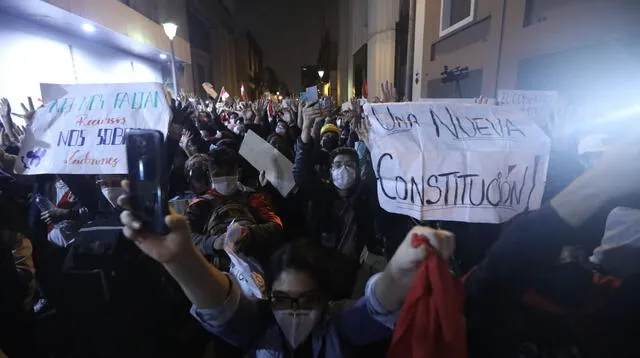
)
(281, 140)
(338, 212)
(229, 201)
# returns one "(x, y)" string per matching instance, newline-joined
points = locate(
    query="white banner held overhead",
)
(80, 129)
(456, 162)
(540, 106)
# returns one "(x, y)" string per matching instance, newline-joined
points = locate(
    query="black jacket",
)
(521, 302)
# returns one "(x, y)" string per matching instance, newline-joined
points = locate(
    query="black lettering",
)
(418, 190)
(536, 161)
(382, 123)
(380, 174)
(446, 185)
(512, 193)
(498, 132)
(512, 128)
(480, 128)
(406, 190)
(497, 181)
(431, 202)
(464, 185)
(471, 193)
(413, 119)
(464, 131)
(435, 118)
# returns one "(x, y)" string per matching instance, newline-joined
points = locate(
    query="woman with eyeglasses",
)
(297, 319)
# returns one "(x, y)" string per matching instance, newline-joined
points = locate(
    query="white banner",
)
(456, 162)
(80, 129)
(540, 106)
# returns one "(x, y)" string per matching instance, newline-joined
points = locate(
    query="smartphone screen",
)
(145, 162)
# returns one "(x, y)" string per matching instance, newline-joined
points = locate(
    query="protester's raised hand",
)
(263, 178)
(389, 93)
(5, 141)
(405, 261)
(165, 249)
(19, 133)
(182, 111)
(29, 112)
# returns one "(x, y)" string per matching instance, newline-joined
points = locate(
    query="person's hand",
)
(185, 139)
(362, 127)
(405, 261)
(165, 249)
(19, 133)
(5, 117)
(29, 113)
(389, 93)
(5, 141)
(239, 244)
(55, 216)
(263, 178)
(182, 111)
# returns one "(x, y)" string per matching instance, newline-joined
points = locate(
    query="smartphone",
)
(147, 184)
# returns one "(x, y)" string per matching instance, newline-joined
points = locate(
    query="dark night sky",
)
(289, 32)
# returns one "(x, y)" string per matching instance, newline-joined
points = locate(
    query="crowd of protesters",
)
(80, 278)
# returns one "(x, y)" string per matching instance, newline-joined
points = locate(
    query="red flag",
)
(224, 94)
(270, 110)
(365, 89)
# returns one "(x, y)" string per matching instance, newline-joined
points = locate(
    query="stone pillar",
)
(383, 15)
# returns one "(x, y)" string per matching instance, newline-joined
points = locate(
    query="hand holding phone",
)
(146, 167)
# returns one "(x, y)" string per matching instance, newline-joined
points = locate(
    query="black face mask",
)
(329, 143)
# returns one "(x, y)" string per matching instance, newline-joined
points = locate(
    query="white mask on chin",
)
(112, 195)
(297, 324)
(343, 178)
(225, 185)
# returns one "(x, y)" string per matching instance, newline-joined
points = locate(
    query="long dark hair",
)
(304, 255)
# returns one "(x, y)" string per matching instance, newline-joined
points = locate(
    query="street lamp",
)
(170, 30)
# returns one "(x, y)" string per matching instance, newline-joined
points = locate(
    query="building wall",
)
(118, 17)
(68, 59)
(535, 45)
(370, 22)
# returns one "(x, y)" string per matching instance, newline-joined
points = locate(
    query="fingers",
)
(218, 244)
(176, 222)
(129, 220)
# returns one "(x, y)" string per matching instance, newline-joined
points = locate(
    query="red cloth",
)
(431, 322)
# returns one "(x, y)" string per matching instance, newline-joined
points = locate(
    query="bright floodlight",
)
(88, 28)
(321, 73)
(170, 29)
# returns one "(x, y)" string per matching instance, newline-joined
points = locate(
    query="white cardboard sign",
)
(540, 106)
(457, 162)
(80, 129)
(263, 156)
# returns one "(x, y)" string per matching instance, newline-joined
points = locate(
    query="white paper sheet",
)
(263, 156)
(457, 162)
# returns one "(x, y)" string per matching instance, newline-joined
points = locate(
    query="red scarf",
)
(431, 323)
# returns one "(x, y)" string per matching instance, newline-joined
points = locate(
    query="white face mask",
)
(297, 324)
(343, 178)
(225, 185)
(112, 195)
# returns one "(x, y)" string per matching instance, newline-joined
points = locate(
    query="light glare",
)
(88, 28)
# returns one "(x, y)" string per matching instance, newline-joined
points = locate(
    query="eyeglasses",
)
(305, 301)
(349, 164)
